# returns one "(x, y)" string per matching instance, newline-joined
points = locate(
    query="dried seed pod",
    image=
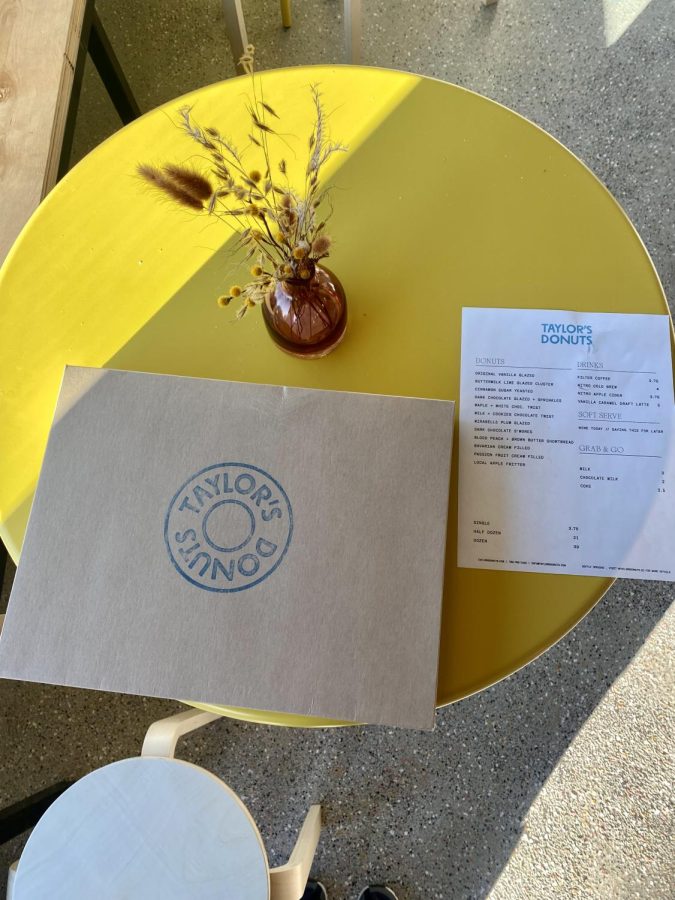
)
(269, 109)
(321, 245)
(169, 187)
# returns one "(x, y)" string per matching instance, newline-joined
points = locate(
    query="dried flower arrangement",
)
(281, 228)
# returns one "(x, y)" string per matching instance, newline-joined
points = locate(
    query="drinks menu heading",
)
(566, 452)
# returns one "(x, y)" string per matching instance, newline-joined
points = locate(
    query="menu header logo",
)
(557, 333)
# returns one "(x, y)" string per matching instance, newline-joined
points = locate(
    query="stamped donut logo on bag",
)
(228, 527)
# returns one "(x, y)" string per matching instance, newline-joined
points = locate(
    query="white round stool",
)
(146, 828)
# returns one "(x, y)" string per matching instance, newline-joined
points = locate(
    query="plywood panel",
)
(38, 48)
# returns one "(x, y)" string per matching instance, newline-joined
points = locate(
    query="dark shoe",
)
(377, 892)
(315, 891)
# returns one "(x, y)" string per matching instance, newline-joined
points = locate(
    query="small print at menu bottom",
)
(566, 458)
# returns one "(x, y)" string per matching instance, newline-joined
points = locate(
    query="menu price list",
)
(565, 442)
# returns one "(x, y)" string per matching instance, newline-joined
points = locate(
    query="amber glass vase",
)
(307, 317)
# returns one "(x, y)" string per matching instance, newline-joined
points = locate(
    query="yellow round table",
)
(444, 200)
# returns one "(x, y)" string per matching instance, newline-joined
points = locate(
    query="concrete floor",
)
(558, 781)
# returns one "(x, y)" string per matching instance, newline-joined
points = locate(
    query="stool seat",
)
(146, 827)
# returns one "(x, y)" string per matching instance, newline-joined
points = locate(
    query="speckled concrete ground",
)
(557, 782)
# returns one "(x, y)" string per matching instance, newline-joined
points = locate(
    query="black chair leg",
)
(93, 39)
(112, 76)
(25, 814)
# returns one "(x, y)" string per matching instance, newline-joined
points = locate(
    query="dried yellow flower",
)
(235, 291)
(256, 271)
(299, 252)
(304, 273)
(223, 301)
(255, 175)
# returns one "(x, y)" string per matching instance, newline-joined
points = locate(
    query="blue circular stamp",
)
(228, 527)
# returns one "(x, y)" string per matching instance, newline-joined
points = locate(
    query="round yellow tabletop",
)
(445, 199)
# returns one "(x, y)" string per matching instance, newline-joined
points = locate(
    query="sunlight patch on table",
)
(123, 257)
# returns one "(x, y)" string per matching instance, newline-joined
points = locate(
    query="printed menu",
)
(566, 458)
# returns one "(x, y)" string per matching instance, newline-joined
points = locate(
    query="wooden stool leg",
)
(235, 28)
(162, 736)
(286, 13)
(11, 875)
(288, 882)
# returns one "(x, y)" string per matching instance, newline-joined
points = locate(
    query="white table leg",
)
(352, 16)
(235, 28)
(288, 882)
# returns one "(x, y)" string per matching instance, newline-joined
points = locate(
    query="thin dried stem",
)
(274, 223)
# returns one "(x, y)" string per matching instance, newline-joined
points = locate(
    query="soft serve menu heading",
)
(566, 450)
